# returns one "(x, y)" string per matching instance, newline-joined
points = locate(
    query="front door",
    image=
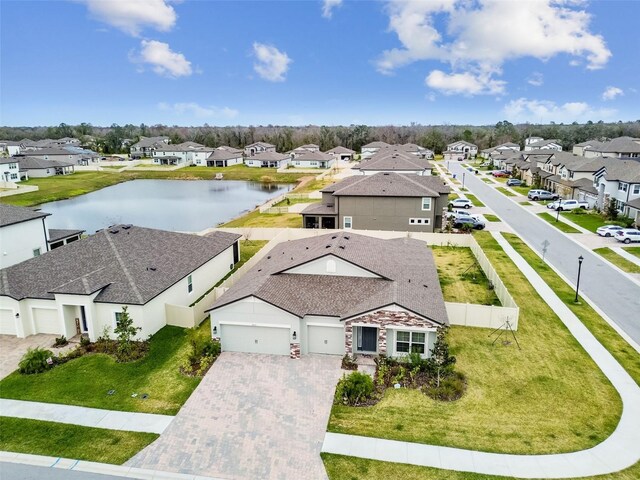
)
(83, 320)
(367, 339)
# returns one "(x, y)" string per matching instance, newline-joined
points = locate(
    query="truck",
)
(567, 205)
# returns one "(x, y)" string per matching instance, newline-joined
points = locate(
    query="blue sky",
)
(318, 62)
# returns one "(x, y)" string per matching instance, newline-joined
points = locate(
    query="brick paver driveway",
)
(13, 348)
(252, 417)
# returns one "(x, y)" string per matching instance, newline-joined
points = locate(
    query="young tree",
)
(441, 360)
(611, 209)
(125, 331)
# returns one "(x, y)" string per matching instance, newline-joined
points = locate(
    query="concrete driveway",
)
(13, 348)
(253, 416)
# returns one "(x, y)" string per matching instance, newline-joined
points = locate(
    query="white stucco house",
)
(541, 144)
(23, 234)
(258, 147)
(316, 159)
(9, 170)
(370, 149)
(81, 287)
(619, 180)
(268, 160)
(334, 294)
(224, 157)
(341, 153)
(460, 150)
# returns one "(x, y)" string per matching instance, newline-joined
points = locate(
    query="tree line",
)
(115, 138)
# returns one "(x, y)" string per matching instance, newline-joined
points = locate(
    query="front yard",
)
(517, 401)
(589, 220)
(560, 225)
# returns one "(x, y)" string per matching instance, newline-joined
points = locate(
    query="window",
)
(419, 221)
(36, 252)
(426, 203)
(636, 189)
(622, 187)
(118, 318)
(407, 342)
(14, 176)
(13, 166)
(347, 222)
(189, 284)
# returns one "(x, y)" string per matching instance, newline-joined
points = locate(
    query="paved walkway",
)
(252, 417)
(623, 253)
(619, 451)
(13, 348)
(86, 417)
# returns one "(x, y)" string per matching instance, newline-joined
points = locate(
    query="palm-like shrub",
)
(36, 360)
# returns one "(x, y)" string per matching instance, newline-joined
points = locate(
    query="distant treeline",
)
(113, 139)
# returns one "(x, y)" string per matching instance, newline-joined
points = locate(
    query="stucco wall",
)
(331, 265)
(18, 241)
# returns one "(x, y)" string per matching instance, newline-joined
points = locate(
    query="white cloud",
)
(470, 40)
(328, 6)
(193, 109)
(464, 83)
(536, 79)
(131, 16)
(612, 92)
(163, 60)
(544, 111)
(271, 64)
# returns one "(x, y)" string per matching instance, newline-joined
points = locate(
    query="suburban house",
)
(460, 150)
(23, 234)
(341, 153)
(490, 152)
(576, 178)
(59, 237)
(580, 148)
(370, 149)
(315, 159)
(620, 147)
(11, 147)
(258, 147)
(310, 147)
(394, 160)
(189, 153)
(147, 145)
(34, 167)
(82, 287)
(543, 145)
(9, 170)
(270, 159)
(334, 294)
(224, 157)
(383, 201)
(619, 180)
(59, 154)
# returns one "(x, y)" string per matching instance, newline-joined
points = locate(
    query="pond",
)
(182, 205)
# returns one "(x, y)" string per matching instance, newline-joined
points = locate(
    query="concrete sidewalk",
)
(619, 451)
(86, 417)
(629, 256)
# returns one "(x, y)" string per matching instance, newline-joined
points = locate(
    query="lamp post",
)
(557, 213)
(580, 259)
(463, 174)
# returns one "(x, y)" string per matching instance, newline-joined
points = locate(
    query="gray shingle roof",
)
(146, 142)
(624, 145)
(224, 155)
(46, 151)
(407, 271)
(10, 214)
(389, 185)
(623, 170)
(131, 266)
(541, 143)
(260, 144)
(376, 145)
(56, 234)
(320, 209)
(392, 159)
(341, 149)
(269, 156)
(33, 163)
(307, 156)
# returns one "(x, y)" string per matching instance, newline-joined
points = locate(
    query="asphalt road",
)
(613, 292)
(16, 471)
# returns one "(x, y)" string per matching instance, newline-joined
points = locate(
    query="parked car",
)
(608, 230)
(455, 213)
(485, 164)
(628, 235)
(567, 205)
(461, 203)
(475, 222)
(514, 182)
(537, 194)
(500, 173)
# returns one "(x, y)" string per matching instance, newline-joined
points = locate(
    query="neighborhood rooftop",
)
(10, 214)
(389, 185)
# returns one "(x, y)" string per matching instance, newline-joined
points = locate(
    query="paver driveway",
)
(252, 417)
(13, 348)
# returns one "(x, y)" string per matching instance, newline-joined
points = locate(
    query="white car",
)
(628, 235)
(608, 230)
(461, 203)
(567, 205)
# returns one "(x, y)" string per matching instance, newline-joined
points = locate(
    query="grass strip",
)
(563, 227)
(506, 192)
(476, 202)
(618, 260)
(633, 251)
(490, 217)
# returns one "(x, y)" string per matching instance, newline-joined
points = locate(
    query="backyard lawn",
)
(505, 192)
(560, 225)
(271, 220)
(517, 401)
(618, 260)
(589, 220)
(85, 381)
(70, 441)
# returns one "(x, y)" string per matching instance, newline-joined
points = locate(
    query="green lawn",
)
(71, 441)
(487, 180)
(633, 251)
(606, 335)
(474, 200)
(618, 260)
(589, 220)
(560, 225)
(340, 467)
(505, 192)
(489, 217)
(521, 190)
(517, 401)
(525, 203)
(314, 185)
(271, 220)
(293, 201)
(453, 196)
(85, 381)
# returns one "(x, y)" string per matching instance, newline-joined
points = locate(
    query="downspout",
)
(46, 240)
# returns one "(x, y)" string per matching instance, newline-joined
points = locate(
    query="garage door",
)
(326, 339)
(7, 322)
(250, 339)
(46, 320)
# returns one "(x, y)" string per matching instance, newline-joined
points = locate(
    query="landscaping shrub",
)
(36, 360)
(354, 389)
(60, 341)
(451, 387)
(203, 351)
(128, 350)
(349, 362)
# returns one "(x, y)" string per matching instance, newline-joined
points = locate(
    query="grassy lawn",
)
(85, 381)
(618, 260)
(487, 180)
(489, 217)
(461, 278)
(563, 227)
(525, 203)
(153, 165)
(501, 179)
(633, 251)
(517, 401)
(607, 336)
(340, 467)
(71, 441)
(271, 220)
(521, 190)
(474, 200)
(293, 201)
(314, 185)
(590, 220)
(453, 196)
(505, 192)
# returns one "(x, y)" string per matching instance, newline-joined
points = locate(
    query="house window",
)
(189, 284)
(636, 189)
(12, 166)
(409, 342)
(347, 222)
(36, 252)
(426, 203)
(622, 187)
(14, 176)
(419, 221)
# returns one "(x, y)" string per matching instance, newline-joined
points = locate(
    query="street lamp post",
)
(557, 214)
(463, 174)
(580, 259)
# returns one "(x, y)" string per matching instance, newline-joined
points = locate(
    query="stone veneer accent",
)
(294, 350)
(381, 319)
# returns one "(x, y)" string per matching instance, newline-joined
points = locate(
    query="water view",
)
(183, 205)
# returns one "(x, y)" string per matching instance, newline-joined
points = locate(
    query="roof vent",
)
(409, 280)
(333, 237)
(306, 248)
(346, 237)
(328, 246)
(259, 269)
(268, 257)
(153, 269)
(387, 173)
(127, 227)
(425, 285)
(113, 230)
(341, 247)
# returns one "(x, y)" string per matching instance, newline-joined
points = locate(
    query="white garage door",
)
(246, 338)
(326, 339)
(7, 322)
(46, 320)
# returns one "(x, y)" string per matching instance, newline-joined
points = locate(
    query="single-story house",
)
(341, 153)
(221, 157)
(370, 149)
(334, 294)
(309, 159)
(394, 160)
(34, 167)
(23, 234)
(59, 237)
(81, 287)
(309, 147)
(268, 160)
(383, 201)
(258, 147)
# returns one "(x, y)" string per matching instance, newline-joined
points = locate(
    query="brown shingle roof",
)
(389, 184)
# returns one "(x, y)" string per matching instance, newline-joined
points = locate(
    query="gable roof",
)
(618, 145)
(219, 154)
(146, 142)
(391, 159)
(126, 264)
(46, 151)
(408, 277)
(10, 215)
(389, 184)
(463, 142)
(376, 145)
(541, 143)
(307, 155)
(627, 171)
(270, 156)
(33, 163)
(340, 149)
(260, 144)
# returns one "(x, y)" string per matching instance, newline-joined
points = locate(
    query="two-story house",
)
(619, 180)
(620, 147)
(145, 147)
(503, 148)
(9, 170)
(189, 153)
(258, 147)
(460, 150)
(23, 234)
(553, 144)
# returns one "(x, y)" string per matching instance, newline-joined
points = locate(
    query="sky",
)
(322, 62)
